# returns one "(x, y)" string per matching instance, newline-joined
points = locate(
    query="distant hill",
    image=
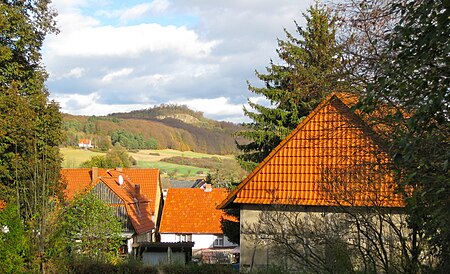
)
(166, 126)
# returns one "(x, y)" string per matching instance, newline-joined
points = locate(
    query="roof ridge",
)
(327, 100)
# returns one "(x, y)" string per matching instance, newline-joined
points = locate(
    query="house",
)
(331, 161)
(134, 193)
(190, 215)
(85, 143)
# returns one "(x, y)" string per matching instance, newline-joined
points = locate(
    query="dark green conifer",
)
(309, 70)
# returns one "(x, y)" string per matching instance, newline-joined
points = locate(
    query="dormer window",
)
(219, 240)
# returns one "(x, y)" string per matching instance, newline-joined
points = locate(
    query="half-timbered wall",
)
(110, 198)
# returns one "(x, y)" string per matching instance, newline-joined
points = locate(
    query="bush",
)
(197, 269)
(81, 266)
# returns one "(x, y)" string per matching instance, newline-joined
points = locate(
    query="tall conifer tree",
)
(309, 71)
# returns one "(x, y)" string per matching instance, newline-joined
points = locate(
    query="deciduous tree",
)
(414, 78)
(30, 124)
(91, 229)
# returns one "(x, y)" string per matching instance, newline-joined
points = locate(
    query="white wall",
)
(200, 240)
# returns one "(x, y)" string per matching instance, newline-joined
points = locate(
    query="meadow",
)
(149, 158)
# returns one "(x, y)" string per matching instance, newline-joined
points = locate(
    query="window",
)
(219, 240)
(184, 237)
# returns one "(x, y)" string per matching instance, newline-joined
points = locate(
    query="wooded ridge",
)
(166, 126)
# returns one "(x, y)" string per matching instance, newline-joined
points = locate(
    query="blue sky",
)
(117, 56)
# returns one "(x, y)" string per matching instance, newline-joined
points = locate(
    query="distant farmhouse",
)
(85, 143)
(330, 162)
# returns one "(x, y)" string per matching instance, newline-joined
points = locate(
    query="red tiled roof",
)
(332, 158)
(79, 180)
(138, 209)
(84, 141)
(192, 210)
(2, 204)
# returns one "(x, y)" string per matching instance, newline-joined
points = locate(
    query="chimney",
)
(137, 189)
(208, 187)
(119, 168)
(94, 174)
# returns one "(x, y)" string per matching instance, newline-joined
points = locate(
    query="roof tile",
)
(332, 158)
(80, 180)
(193, 210)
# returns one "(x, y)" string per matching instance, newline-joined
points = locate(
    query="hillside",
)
(166, 126)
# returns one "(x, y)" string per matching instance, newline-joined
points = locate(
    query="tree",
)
(12, 236)
(115, 157)
(30, 124)
(363, 26)
(91, 229)
(310, 71)
(413, 79)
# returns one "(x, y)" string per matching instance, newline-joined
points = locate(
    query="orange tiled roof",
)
(192, 210)
(84, 141)
(332, 158)
(2, 204)
(79, 180)
(138, 208)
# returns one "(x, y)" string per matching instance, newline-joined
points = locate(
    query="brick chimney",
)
(137, 189)
(94, 174)
(119, 168)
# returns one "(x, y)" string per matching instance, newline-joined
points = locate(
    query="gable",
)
(138, 199)
(106, 195)
(332, 158)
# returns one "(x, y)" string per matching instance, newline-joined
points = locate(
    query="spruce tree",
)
(309, 70)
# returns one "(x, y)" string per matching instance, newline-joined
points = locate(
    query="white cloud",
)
(201, 54)
(75, 72)
(117, 74)
(159, 6)
(135, 12)
(212, 107)
(129, 41)
(88, 105)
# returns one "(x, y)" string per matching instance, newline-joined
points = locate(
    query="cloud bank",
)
(115, 56)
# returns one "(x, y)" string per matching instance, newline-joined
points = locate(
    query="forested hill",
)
(166, 126)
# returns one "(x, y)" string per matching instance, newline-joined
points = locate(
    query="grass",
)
(73, 157)
(174, 170)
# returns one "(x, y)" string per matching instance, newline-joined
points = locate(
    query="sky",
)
(117, 56)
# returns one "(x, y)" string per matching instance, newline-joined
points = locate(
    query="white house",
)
(190, 215)
(85, 143)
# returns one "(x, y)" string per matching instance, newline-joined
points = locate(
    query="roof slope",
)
(332, 158)
(193, 210)
(78, 180)
(137, 206)
(140, 204)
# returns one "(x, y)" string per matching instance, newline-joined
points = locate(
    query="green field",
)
(73, 157)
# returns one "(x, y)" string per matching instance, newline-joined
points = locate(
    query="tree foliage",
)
(13, 248)
(309, 71)
(414, 79)
(91, 229)
(115, 157)
(30, 124)
(131, 140)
